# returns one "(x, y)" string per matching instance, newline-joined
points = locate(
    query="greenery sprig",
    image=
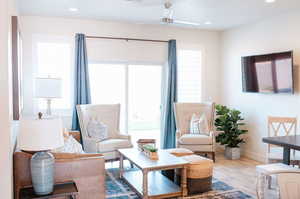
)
(150, 148)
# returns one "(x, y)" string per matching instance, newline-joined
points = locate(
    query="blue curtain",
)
(82, 93)
(169, 128)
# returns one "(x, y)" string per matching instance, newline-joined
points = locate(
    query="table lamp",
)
(49, 89)
(41, 136)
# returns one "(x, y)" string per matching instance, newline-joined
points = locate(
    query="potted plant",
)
(228, 121)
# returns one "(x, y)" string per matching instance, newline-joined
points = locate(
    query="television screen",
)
(272, 73)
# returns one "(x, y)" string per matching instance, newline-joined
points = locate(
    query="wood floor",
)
(237, 173)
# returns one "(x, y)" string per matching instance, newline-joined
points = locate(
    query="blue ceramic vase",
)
(42, 172)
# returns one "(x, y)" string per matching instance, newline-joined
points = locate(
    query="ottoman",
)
(178, 152)
(199, 174)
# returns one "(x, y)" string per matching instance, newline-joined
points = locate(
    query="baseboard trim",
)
(255, 156)
(248, 154)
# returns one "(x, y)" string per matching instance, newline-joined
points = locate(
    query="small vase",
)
(153, 155)
(232, 153)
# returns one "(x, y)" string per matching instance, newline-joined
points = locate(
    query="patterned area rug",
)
(118, 189)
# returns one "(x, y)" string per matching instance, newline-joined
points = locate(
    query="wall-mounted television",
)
(269, 73)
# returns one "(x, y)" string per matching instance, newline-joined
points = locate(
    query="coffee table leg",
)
(121, 165)
(183, 181)
(145, 184)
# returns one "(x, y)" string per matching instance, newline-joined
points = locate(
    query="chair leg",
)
(269, 181)
(260, 183)
(213, 156)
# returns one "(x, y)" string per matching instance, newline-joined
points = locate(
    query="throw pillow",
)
(203, 125)
(194, 128)
(199, 125)
(71, 145)
(97, 130)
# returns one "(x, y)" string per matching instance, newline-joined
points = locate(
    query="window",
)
(54, 60)
(189, 76)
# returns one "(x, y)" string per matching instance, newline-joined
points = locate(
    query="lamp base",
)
(49, 107)
(42, 172)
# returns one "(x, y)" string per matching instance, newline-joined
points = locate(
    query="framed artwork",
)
(16, 56)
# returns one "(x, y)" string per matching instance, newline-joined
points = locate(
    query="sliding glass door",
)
(144, 100)
(107, 86)
(137, 88)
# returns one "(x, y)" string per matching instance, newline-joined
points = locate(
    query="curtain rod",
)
(126, 39)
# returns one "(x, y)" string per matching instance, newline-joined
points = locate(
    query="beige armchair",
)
(109, 114)
(198, 143)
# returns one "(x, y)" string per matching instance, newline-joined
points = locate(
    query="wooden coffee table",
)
(148, 182)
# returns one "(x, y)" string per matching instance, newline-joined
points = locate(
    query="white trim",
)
(260, 157)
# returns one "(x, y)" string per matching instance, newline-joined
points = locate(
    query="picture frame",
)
(16, 56)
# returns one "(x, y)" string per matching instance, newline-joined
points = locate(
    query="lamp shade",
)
(40, 134)
(48, 88)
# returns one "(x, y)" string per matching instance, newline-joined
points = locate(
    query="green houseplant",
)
(229, 121)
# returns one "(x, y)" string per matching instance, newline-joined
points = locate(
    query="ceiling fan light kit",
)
(167, 20)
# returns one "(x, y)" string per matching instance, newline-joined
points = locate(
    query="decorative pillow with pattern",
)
(97, 130)
(199, 125)
(71, 145)
(194, 124)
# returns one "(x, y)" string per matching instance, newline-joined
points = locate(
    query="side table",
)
(67, 190)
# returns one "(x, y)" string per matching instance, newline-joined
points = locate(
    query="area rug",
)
(118, 189)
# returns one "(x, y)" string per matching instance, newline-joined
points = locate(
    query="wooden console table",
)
(67, 190)
(148, 182)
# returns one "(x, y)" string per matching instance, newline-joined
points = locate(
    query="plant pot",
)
(151, 155)
(232, 153)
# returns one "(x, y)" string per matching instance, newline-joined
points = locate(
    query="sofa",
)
(86, 170)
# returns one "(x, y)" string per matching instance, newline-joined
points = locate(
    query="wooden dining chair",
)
(267, 170)
(281, 126)
(289, 184)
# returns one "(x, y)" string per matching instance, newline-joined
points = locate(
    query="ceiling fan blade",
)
(186, 22)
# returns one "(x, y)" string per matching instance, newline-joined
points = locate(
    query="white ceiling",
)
(223, 14)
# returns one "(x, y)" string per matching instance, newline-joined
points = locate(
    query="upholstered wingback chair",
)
(200, 143)
(108, 114)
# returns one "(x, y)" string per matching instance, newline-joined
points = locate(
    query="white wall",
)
(7, 8)
(273, 35)
(207, 41)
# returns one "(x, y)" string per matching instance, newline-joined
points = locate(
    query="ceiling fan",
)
(168, 16)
